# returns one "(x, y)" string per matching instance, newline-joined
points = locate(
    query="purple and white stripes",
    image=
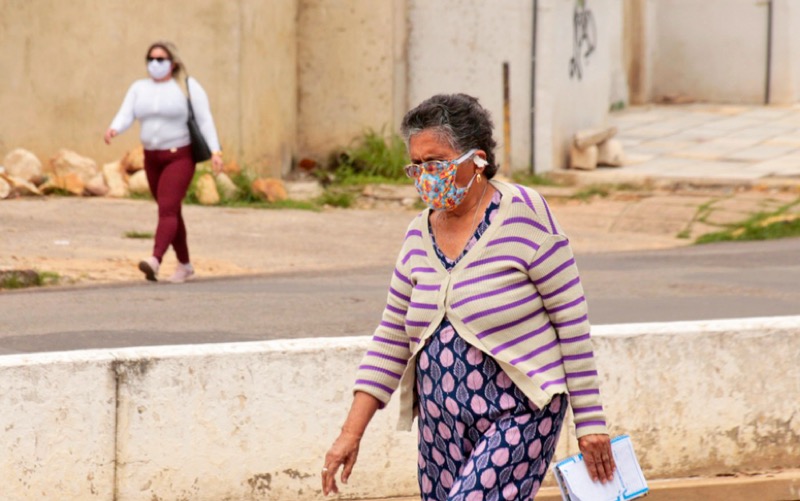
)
(518, 298)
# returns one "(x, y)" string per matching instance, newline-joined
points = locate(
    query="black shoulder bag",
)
(200, 150)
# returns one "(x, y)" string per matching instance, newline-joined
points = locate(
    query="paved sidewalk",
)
(706, 143)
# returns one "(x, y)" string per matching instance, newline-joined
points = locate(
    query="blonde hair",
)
(172, 50)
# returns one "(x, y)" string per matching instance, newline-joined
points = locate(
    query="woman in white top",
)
(159, 103)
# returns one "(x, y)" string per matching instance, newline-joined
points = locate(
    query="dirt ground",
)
(83, 239)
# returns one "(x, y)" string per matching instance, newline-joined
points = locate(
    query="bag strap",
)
(189, 98)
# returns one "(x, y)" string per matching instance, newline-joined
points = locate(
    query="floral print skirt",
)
(480, 437)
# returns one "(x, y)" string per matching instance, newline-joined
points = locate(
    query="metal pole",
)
(506, 122)
(768, 84)
(533, 90)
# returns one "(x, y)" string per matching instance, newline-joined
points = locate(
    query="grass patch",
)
(60, 192)
(527, 179)
(762, 226)
(281, 204)
(700, 216)
(588, 193)
(337, 198)
(141, 196)
(139, 234)
(374, 158)
(20, 279)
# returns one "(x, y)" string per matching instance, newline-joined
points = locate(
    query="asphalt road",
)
(690, 283)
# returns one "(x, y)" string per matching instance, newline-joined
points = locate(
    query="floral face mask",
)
(436, 182)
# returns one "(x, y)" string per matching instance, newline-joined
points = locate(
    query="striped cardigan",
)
(516, 295)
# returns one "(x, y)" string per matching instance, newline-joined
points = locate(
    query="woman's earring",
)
(479, 177)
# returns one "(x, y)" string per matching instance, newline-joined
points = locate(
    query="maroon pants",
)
(169, 173)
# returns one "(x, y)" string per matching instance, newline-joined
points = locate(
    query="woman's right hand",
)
(110, 133)
(343, 452)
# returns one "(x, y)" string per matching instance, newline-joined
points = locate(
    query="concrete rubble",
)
(69, 172)
(593, 147)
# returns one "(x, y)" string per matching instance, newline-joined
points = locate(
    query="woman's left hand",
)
(343, 452)
(216, 163)
(596, 450)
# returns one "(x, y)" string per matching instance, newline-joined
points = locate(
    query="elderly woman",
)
(485, 329)
(160, 105)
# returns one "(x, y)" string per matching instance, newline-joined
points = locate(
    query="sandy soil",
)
(83, 239)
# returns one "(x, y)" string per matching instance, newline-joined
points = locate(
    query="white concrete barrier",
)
(252, 421)
(57, 420)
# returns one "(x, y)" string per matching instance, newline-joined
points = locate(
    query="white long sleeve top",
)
(162, 111)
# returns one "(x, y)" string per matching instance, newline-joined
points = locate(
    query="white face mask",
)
(159, 69)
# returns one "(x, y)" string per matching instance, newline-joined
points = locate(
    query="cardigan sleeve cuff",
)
(593, 427)
(368, 387)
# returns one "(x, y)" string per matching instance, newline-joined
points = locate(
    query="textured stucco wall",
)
(785, 73)
(67, 65)
(248, 421)
(567, 102)
(253, 420)
(460, 46)
(350, 70)
(57, 427)
(713, 50)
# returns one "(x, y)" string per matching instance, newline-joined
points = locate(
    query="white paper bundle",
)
(628, 483)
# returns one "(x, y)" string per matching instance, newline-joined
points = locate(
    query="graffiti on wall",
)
(584, 39)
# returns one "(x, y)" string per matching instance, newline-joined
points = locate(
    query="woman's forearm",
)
(361, 411)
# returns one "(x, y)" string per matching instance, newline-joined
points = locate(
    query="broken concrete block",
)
(583, 158)
(610, 154)
(591, 137)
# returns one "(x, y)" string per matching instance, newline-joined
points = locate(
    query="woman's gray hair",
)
(459, 119)
(172, 50)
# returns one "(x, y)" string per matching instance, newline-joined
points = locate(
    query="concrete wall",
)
(300, 77)
(785, 75)
(712, 50)
(58, 425)
(460, 46)
(569, 98)
(252, 421)
(66, 66)
(351, 71)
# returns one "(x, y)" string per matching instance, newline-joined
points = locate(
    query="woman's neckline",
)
(466, 258)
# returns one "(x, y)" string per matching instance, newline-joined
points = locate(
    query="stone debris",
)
(115, 180)
(97, 186)
(137, 183)
(5, 188)
(70, 182)
(206, 190)
(23, 164)
(231, 168)
(133, 160)
(71, 173)
(610, 153)
(19, 186)
(304, 190)
(69, 162)
(593, 137)
(593, 147)
(226, 187)
(271, 190)
(583, 158)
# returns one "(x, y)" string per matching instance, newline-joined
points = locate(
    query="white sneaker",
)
(182, 273)
(150, 268)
